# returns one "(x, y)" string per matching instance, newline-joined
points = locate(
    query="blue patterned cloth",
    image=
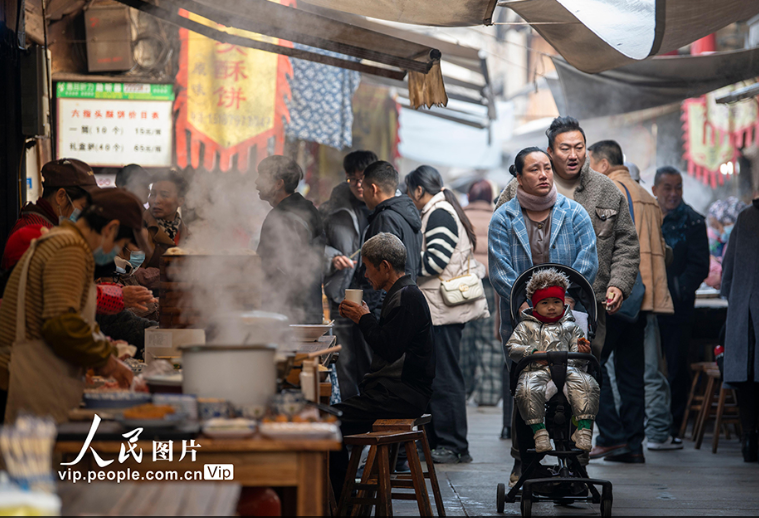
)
(321, 109)
(573, 243)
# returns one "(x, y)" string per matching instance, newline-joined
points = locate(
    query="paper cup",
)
(356, 296)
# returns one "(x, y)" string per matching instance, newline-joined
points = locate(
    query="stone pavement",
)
(686, 482)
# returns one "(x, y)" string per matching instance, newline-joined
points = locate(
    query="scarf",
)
(170, 227)
(537, 203)
(547, 320)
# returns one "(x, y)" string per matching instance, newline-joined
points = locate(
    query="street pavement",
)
(686, 482)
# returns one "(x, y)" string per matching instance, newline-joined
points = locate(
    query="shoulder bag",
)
(462, 289)
(41, 382)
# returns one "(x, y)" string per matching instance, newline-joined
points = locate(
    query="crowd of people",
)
(434, 330)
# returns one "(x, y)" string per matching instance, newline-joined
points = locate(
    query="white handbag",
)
(462, 289)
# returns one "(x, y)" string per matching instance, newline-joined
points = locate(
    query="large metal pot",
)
(244, 375)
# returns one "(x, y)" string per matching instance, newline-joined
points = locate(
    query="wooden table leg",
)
(311, 477)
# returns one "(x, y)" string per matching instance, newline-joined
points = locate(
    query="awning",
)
(647, 84)
(376, 53)
(598, 35)
(447, 13)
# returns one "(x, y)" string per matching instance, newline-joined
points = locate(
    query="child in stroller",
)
(551, 326)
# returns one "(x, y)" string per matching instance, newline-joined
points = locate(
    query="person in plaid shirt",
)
(513, 238)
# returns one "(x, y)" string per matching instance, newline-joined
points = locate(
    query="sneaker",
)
(542, 441)
(672, 443)
(445, 456)
(465, 458)
(583, 439)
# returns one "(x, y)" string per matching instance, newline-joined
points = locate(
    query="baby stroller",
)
(567, 481)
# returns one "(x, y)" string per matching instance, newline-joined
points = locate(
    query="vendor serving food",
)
(42, 364)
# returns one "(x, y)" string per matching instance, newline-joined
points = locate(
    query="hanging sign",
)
(231, 100)
(114, 124)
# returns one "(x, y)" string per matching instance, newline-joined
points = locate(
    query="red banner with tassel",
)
(231, 109)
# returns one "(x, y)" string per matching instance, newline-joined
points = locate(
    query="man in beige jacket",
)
(606, 157)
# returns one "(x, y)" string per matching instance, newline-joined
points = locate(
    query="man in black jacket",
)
(396, 215)
(399, 383)
(292, 243)
(684, 231)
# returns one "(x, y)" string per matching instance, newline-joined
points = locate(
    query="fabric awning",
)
(364, 50)
(444, 13)
(650, 83)
(598, 35)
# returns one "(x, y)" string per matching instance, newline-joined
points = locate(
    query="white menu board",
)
(113, 132)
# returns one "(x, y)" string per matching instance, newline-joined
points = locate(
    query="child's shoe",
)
(542, 441)
(583, 439)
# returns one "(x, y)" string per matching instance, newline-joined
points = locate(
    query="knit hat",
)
(545, 284)
(18, 243)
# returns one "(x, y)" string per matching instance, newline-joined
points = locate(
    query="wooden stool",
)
(717, 410)
(408, 425)
(696, 396)
(381, 443)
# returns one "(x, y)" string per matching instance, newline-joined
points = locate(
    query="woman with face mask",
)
(53, 336)
(129, 266)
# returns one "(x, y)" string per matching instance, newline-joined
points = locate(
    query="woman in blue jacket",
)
(537, 226)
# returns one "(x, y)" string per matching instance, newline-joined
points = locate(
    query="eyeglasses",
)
(355, 181)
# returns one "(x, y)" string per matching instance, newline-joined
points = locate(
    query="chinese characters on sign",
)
(232, 100)
(109, 131)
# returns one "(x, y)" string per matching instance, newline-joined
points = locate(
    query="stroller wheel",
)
(500, 498)
(526, 505)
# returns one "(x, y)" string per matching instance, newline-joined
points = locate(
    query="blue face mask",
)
(75, 215)
(136, 258)
(102, 259)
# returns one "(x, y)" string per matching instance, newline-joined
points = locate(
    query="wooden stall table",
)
(149, 499)
(258, 462)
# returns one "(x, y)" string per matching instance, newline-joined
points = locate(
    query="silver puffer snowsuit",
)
(531, 334)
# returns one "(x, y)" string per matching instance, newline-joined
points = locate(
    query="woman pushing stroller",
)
(550, 326)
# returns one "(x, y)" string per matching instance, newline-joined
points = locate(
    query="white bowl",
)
(309, 333)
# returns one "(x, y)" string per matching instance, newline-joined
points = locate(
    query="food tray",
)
(229, 428)
(115, 399)
(299, 431)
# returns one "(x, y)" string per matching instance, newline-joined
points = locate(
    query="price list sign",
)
(114, 124)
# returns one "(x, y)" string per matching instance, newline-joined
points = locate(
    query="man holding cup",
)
(399, 382)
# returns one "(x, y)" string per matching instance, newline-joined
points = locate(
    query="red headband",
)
(545, 293)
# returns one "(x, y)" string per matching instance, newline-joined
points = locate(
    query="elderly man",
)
(625, 429)
(684, 231)
(292, 243)
(399, 382)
